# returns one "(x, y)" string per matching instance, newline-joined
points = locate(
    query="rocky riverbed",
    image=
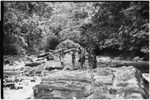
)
(49, 80)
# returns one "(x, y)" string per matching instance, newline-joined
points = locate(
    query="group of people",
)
(81, 53)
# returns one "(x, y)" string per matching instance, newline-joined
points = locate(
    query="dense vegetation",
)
(29, 27)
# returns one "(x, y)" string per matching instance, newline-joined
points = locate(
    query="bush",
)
(10, 50)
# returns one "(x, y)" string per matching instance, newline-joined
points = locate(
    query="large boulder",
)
(68, 44)
(69, 47)
(100, 83)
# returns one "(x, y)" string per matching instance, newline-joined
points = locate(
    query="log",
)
(43, 55)
(33, 64)
(10, 85)
(54, 68)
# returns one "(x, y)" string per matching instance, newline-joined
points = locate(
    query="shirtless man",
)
(73, 58)
(81, 58)
(61, 57)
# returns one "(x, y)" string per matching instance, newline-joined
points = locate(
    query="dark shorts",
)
(82, 59)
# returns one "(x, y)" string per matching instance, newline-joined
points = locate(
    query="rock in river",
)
(100, 83)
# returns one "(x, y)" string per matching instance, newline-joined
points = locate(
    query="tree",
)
(137, 19)
(118, 25)
(33, 26)
(22, 21)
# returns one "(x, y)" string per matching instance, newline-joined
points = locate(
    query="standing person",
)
(79, 53)
(81, 58)
(61, 57)
(92, 60)
(73, 58)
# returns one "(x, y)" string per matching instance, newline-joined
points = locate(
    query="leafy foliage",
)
(122, 25)
(32, 26)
